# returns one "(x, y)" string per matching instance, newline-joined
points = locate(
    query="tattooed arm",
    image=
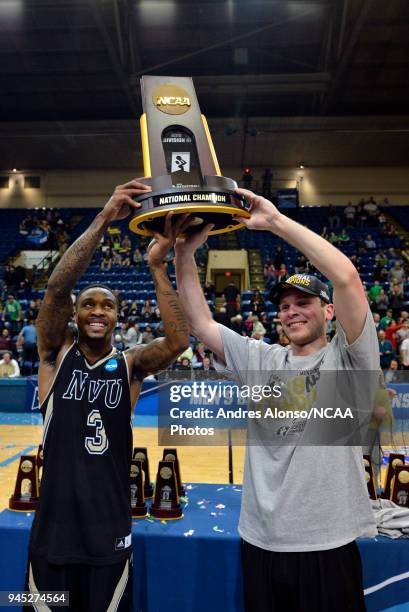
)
(160, 353)
(56, 307)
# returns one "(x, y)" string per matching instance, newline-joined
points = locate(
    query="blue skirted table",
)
(194, 563)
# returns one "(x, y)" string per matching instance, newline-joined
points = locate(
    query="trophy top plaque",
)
(179, 158)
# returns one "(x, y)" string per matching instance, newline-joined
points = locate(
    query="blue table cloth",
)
(194, 563)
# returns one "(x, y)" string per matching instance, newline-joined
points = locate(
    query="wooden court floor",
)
(198, 463)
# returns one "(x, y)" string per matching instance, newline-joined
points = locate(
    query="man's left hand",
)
(161, 244)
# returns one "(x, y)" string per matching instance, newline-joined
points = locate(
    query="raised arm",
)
(351, 305)
(162, 352)
(56, 308)
(198, 315)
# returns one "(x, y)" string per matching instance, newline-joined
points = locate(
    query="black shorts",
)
(92, 588)
(316, 581)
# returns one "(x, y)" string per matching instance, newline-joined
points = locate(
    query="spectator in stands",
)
(126, 243)
(132, 335)
(147, 310)
(386, 320)
(403, 332)
(199, 354)
(230, 294)
(333, 218)
(325, 233)
(106, 244)
(301, 265)
(27, 340)
(116, 258)
(380, 273)
(333, 238)
(369, 242)
(269, 275)
(396, 299)
(349, 212)
(9, 277)
(396, 273)
(248, 323)
(377, 320)
(381, 258)
(116, 242)
(118, 342)
(156, 314)
(106, 262)
(206, 365)
(5, 340)
(361, 215)
(9, 367)
(160, 331)
(209, 291)
(343, 236)
(137, 257)
(266, 322)
(282, 273)
(355, 261)
(258, 326)
(386, 353)
(236, 324)
(222, 317)
(371, 208)
(12, 312)
(381, 302)
(133, 310)
(184, 364)
(257, 302)
(147, 335)
(374, 291)
(404, 353)
(283, 340)
(391, 374)
(31, 312)
(188, 353)
(123, 310)
(126, 260)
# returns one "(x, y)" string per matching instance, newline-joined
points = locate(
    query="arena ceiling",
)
(70, 72)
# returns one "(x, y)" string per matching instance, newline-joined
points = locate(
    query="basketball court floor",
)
(20, 434)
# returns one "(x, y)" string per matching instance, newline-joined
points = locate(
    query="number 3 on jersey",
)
(98, 444)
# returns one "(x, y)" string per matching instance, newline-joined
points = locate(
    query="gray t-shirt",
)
(302, 498)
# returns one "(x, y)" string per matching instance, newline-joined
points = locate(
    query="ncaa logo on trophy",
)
(179, 157)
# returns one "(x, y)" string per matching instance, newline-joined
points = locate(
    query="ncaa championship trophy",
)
(179, 157)
(26, 492)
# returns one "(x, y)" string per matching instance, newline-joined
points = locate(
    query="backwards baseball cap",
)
(307, 283)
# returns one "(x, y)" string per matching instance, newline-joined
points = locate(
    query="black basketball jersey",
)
(84, 512)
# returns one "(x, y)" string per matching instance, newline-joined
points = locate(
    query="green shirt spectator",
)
(374, 291)
(12, 308)
(386, 320)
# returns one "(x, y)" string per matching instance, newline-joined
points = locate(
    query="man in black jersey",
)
(81, 536)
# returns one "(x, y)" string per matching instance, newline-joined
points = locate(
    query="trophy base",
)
(214, 202)
(19, 504)
(139, 511)
(167, 515)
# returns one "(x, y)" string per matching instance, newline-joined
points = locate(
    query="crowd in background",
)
(139, 323)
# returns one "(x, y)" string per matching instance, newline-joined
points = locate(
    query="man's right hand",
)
(121, 203)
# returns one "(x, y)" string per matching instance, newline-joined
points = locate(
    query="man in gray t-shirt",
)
(303, 506)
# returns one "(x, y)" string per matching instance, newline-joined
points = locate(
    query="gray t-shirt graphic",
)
(302, 498)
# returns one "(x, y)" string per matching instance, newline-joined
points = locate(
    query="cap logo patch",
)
(299, 279)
